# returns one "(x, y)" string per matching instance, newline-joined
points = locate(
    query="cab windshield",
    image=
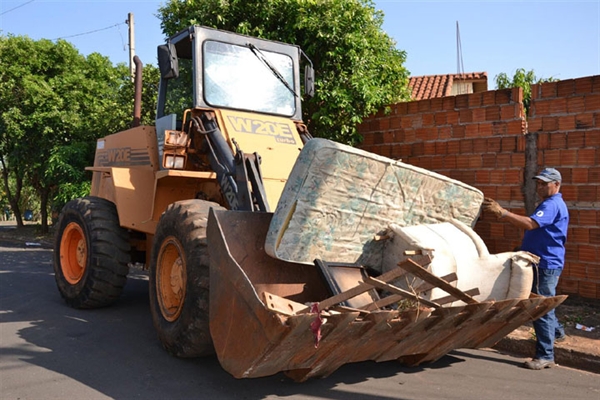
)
(235, 77)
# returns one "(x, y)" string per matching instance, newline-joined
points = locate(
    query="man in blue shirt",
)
(545, 236)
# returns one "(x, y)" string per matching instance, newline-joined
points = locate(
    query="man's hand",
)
(491, 206)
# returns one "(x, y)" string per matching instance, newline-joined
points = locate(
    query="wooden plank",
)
(386, 301)
(451, 298)
(343, 276)
(452, 277)
(394, 298)
(427, 276)
(400, 271)
(396, 290)
(363, 287)
(341, 297)
(339, 308)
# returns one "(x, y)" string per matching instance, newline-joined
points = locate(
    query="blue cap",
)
(549, 175)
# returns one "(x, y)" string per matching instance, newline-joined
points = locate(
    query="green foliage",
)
(124, 92)
(54, 104)
(151, 77)
(180, 90)
(68, 162)
(3, 198)
(358, 68)
(523, 79)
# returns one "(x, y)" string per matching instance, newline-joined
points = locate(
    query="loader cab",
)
(229, 107)
(211, 69)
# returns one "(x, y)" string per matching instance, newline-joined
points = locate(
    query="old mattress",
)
(339, 198)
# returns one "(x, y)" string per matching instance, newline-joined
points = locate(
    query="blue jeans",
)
(547, 328)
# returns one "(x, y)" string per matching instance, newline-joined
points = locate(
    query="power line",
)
(14, 8)
(94, 31)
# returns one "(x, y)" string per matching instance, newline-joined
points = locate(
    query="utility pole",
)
(131, 44)
(460, 68)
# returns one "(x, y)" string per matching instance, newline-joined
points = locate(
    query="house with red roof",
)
(432, 86)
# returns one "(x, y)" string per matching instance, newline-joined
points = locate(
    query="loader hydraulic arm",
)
(238, 174)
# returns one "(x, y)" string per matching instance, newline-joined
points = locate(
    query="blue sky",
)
(558, 39)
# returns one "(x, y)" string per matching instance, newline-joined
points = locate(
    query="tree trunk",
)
(13, 200)
(44, 195)
(531, 167)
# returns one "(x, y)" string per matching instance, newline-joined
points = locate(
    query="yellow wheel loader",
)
(228, 130)
(277, 251)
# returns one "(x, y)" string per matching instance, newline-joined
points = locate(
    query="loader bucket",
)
(269, 316)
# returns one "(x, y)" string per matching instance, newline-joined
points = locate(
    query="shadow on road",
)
(116, 352)
(515, 362)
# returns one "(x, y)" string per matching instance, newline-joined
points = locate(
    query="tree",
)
(69, 161)
(523, 79)
(358, 68)
(125, 97)
(54, 104)
(12, 184)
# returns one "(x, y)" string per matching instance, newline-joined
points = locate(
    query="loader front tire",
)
(91, 253)
(179, 279)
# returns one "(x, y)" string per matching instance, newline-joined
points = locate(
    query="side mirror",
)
(167, 61)
(309, 81)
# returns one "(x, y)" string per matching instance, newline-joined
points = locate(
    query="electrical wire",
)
(14, 8)
(94, 31)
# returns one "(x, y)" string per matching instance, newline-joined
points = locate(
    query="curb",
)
(522, 347)
(22, 244)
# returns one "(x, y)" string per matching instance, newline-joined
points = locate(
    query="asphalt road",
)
(50, 351)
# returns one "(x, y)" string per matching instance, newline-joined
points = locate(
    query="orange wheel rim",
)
(73, 253)
(171, 278)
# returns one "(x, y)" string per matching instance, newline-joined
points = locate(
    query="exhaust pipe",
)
(137, 102)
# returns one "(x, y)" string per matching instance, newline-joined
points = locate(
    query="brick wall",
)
(483, 139)
(565, 117)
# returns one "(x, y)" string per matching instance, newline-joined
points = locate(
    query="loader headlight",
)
(175, 162)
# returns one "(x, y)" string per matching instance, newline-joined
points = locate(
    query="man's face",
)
(546, 189)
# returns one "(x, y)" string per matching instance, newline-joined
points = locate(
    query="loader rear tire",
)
(179, 279)
(91, 253)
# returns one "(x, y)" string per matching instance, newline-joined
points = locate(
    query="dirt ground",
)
(576, 314)
(581, 349)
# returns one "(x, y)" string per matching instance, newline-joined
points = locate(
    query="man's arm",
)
(520, 221)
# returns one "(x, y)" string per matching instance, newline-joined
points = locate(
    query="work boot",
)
(560, 339)
(538, 364)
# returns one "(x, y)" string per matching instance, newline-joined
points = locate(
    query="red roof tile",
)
(432, 86)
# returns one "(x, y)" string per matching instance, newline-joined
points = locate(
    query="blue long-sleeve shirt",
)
(548, 241)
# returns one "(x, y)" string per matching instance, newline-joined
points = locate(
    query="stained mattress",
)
(338, 199)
